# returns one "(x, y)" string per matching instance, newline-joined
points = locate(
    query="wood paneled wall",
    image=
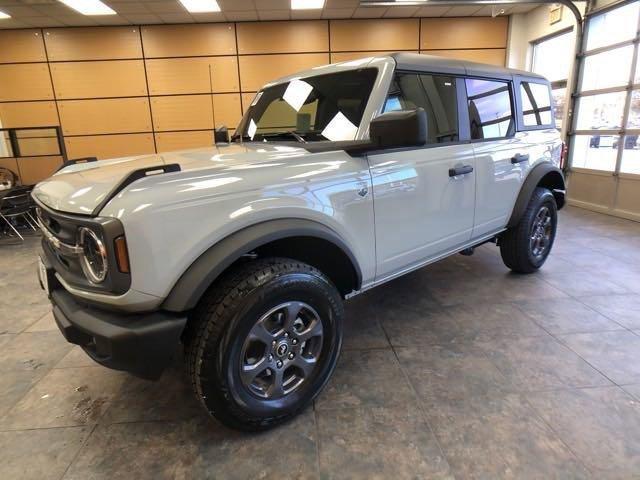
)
(133, 90)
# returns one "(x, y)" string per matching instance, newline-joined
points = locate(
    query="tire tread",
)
(514, 243)
(209, 321)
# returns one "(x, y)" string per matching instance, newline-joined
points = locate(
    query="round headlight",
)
(94, 256)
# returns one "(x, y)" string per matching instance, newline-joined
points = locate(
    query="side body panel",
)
(500, 174)
(498, 181)
(420, 210)
(421, 213)
(173, 220)
(544, 145)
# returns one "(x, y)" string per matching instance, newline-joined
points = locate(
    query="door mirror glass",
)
(405, 128)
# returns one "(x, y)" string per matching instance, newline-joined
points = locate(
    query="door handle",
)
(518, 158)
(463, 170)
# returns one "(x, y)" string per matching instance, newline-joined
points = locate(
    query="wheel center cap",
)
(282, 349)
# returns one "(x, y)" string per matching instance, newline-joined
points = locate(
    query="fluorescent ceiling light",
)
(4, 15)
(200, 6)
(89, 7)
(306, 4)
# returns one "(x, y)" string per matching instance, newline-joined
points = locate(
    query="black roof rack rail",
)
(132, 177)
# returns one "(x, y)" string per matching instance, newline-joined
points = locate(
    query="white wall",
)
(531, 26)
(603, 3)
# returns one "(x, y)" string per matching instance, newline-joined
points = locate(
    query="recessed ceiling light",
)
(4, 15)
(306, 4)
(89, 7)
(200, 6)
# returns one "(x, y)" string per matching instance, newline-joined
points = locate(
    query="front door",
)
(421, 210)
(423, 197)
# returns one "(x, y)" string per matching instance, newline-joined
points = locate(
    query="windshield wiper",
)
(290, 133)
(241, 137)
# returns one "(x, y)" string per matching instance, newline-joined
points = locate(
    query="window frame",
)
(520, 126)
(510, 85)
(461, 105)
(242, 124)
(464, 127)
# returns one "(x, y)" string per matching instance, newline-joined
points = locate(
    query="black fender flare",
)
(536, 174)
(193, 283)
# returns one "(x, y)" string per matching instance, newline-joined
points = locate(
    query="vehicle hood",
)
(83, 187)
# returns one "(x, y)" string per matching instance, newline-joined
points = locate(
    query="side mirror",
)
(406, 128)
(221, 135)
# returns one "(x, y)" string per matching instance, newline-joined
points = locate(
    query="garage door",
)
(605, 152)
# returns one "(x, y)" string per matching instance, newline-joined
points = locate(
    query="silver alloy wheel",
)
(541, 232)
(282, 350)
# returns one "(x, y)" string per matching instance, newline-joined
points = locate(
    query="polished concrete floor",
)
(460, 370)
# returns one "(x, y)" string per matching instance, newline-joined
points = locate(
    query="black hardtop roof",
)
(434, 64)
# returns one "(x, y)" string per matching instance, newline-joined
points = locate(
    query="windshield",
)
(324, 107)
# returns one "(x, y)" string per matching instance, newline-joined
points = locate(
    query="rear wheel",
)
(526, 246)
(263, 342)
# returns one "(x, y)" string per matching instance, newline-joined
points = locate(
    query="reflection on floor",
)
(459, 370)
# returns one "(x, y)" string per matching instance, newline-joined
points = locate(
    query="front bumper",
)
(142, 344)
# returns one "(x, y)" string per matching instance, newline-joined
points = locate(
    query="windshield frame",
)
(384, 66)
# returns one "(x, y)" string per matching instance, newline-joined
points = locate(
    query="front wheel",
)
(263, 342)
(526, 246)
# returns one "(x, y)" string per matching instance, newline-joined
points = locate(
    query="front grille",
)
(63, 252)
(65, 231)
(52, 225)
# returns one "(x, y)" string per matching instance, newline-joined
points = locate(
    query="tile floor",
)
(460, 370)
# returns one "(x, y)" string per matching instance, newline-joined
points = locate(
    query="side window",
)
(536, 104)
(490, 109)
(436, 94)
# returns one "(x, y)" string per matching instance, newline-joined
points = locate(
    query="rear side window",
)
(436, 94)
(536, 104)
(490, 109)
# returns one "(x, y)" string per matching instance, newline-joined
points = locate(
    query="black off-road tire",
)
(222, 321)
(515, 244)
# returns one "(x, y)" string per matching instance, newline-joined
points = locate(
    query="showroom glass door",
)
(605, 152)
(549, 59)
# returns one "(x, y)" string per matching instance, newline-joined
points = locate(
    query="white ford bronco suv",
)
(336, 180)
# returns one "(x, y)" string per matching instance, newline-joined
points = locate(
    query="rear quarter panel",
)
(544, 146)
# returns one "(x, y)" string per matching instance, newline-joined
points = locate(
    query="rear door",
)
(536, 120)
(422, 207)
(501, 155)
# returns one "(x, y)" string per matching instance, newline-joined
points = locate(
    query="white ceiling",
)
(50, 13)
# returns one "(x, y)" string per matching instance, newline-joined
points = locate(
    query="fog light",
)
(94, 256)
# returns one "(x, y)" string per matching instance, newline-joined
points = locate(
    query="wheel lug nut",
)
(270, 358)
(273, 344)
(279, 364)
(290, 356)
(294, 341)
(286, 334)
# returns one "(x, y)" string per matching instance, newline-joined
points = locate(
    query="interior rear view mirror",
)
(406, 128)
